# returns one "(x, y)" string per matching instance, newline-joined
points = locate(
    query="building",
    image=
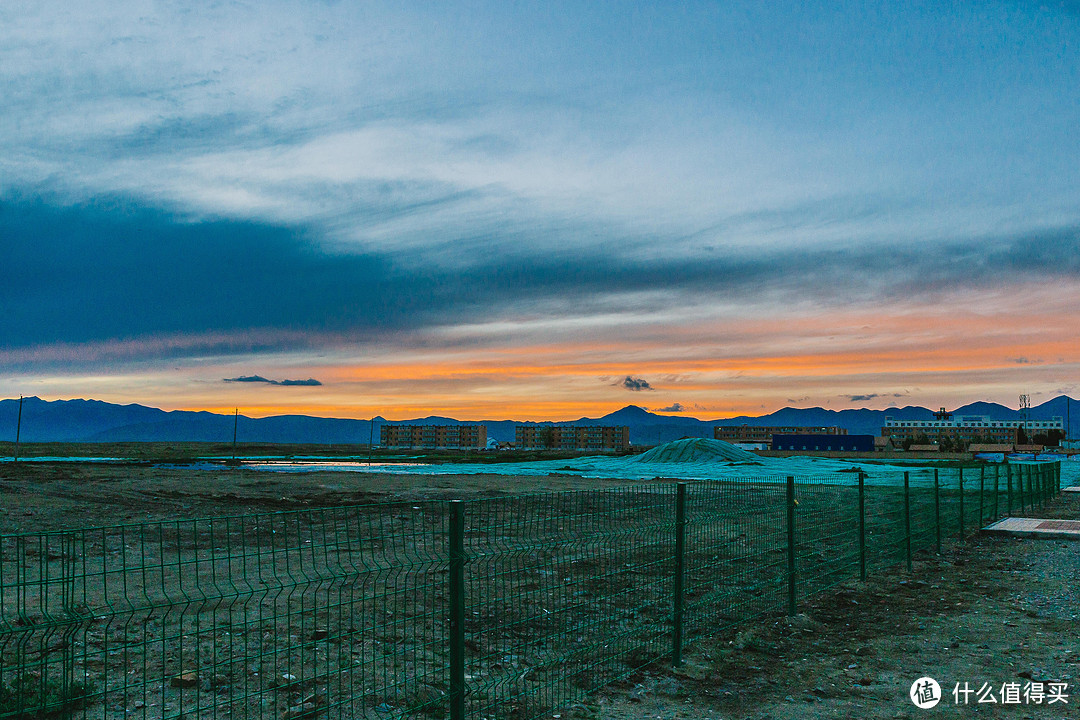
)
(572, 437)
(763, 434)
(990, 448)
(433, 437)
(967, 429)
(824, 443)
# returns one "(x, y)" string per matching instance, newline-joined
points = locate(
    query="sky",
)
(539, 210)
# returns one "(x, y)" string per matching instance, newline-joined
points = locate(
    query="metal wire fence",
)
(499, 608)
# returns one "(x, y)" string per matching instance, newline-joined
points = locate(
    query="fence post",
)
(1036, 490)
(457, 611)
(937, 510)
(997, 489)
(1008, 487)
(1032, 494)
(680, 551)
(961, 504)
(791, 543)
(907, 519)
(1038, 486)
(862, 525)
(982, 490)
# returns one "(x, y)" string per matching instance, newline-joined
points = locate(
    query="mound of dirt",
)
(695, 450)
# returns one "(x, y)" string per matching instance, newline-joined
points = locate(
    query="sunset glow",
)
(525, 213)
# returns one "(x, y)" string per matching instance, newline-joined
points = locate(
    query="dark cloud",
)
(260, 379)
(871, 396)
(674, 407)
(111, 270)
(635, 384)
(833, 274)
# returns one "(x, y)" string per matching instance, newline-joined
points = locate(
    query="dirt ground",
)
(38, 497)
(996, 611)
(992, 612)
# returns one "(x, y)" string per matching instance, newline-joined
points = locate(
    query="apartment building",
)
(433, 437)
(968, 428)
(763, 434)
(572, 437)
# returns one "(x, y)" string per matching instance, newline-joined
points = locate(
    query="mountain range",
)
(97, 421)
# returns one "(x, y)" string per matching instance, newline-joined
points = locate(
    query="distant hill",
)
(96, 421)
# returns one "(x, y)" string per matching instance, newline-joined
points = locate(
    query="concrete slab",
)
(1035, 528)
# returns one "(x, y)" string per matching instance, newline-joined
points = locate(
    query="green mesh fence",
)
(513, 607)
(335, 611)
(736, 563)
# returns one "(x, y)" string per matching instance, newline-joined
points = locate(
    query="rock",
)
(318, 698)
(185, 680)
(283, 680)
(299, 711)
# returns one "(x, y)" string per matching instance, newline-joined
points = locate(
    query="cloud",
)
(634, 384)
(1027, 361)
(87, 273)
(674, 407)
(260, 379)
(871, 396)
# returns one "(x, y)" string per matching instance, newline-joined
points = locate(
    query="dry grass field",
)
(992, 609)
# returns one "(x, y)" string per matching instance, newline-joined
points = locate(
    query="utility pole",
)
(236, 419)
(18, 429)
(371, 440)
(1025, 408)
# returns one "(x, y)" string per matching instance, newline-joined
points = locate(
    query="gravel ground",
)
(994, 612)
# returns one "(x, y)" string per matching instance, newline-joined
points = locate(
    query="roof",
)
(990, 447)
